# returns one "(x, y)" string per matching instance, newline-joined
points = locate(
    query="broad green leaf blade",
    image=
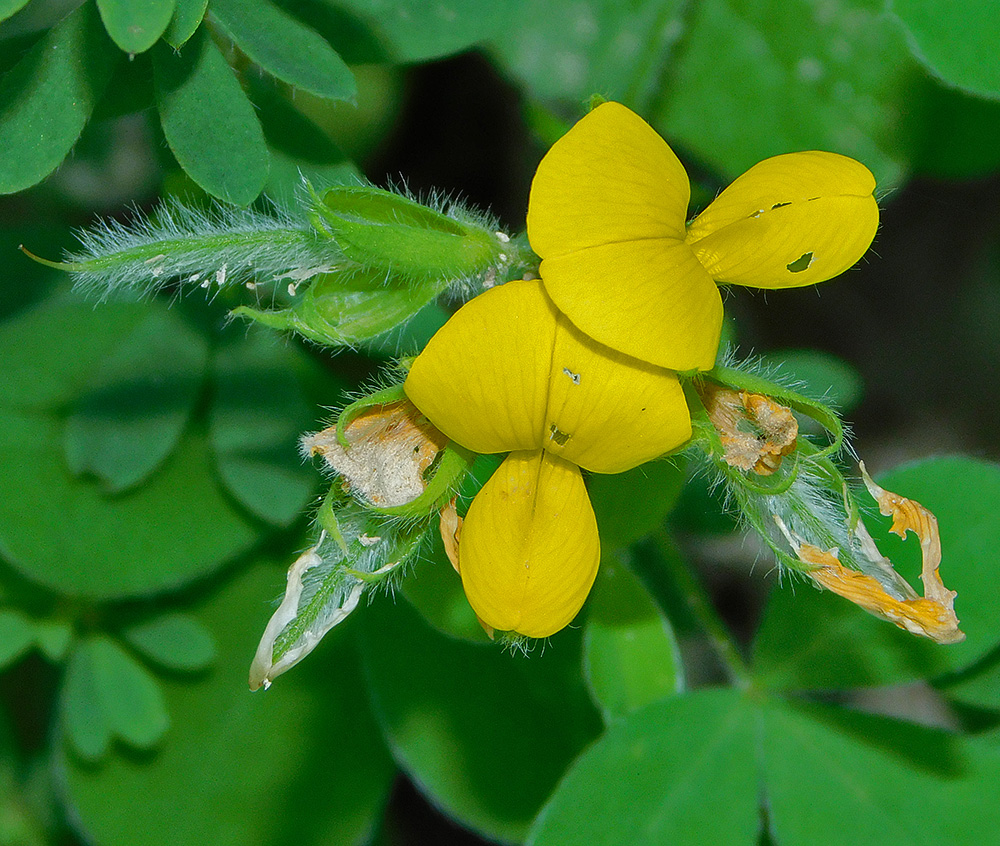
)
(301, 764)
(64, 533)
(681, 772)
(848, 779)
(174, 641)
(573, 50)
(9, 7)
(16, 635)
(483, 733)
(811, 79)
(136, 26)
(630, 654)
(47, 98)
(807, 641)
(54, 638)
(816, 640)
(209, 123)
(651, 491)
(258, 414)
(285, 48)
(413, 30)
(139, 399)
(49, 353)
(185, 22)
(84, 720)
(960, 44)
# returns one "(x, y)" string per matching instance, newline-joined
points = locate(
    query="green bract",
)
(380, 229)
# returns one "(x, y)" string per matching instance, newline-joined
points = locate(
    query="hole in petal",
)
(801, 263)
(574, 377)
(557, 435)
(779, 205)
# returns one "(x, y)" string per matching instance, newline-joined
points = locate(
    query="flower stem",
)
(701, 607)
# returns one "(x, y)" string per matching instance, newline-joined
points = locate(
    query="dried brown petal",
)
(756, 432)
(389, 449)
(451, 530)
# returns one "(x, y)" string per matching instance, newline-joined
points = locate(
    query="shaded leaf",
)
(258, 414)
(132, 414)
(174, 641)
(831, 77)
(9, 7)
(414, 31)
(135, 27)
(651, 491)
(681, 771)
(47, 98)
(108, 695)
(286, 48)
(54, 638)
(186, 20)
(16, 635)
(302, 764)
(958, 43)
(208, 121)
(630, 654)
(65, 534)
(485, 734)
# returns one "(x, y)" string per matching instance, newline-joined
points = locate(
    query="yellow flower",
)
(607, 215)
(510, 373)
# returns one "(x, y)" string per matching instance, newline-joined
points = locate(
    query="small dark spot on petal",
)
(779, 205)
(557, 435)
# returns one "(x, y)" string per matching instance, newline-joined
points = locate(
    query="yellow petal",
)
(483, 378)
(791, 220)
(529, 548)
(649, 299)
(610, 178)
(608, 412)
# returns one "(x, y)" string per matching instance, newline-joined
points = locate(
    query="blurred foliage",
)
(152, 491)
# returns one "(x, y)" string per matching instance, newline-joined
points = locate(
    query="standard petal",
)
(789, 221)
(609, 412)
(529, 549)
(649, 299)
(483, 379)
(610, 178)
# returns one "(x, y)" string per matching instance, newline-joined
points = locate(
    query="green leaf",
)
(650, 490)
(67, 535)
(821, 375)
(258, 414)
(844, 779)
(54, 638)
(108, 695)
(343, 309)
(301, 764)
(485, 734)
(137, 403)
(285, 48)
(630, 654)
(681, 771)
(959, 44)
(413, 30)
(47, 98)
(135, 27)
(837, 77)
(573, 50)
(208, 121)
(49, 353)
(966, 150)
(185, 22)
(813, 640)
(174, 641)
(9, 7)
(17, 634)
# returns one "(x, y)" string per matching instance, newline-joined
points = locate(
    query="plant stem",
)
(701, 607)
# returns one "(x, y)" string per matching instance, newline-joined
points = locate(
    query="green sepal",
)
(380, 229)
(386, 396)
(453, 464)
(344, 308)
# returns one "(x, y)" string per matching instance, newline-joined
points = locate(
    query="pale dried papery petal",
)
(451, 532)
(389, 449)
(755, 431)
